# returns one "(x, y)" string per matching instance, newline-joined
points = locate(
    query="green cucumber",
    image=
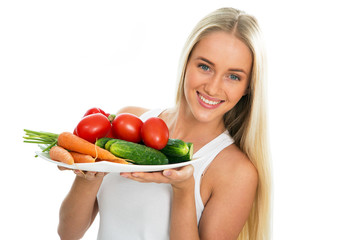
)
(137, 153)
(175, 148)
(102, 141)
(185, 158)
(109, 143)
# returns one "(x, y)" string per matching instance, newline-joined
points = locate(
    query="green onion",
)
(48, 139)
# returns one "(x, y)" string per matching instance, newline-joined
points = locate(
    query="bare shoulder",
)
(229, 185)
(133, 110)
(228, 190)
(233, 167)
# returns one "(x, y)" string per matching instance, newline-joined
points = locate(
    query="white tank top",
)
(130, 210)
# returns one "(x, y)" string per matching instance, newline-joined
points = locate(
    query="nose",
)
(213, 85)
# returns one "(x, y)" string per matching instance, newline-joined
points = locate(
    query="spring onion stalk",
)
(46, 140)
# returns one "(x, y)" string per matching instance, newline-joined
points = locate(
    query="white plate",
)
(105, 166)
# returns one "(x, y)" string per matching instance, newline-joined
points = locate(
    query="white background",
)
(59, 58)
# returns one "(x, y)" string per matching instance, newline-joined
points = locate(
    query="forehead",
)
(224, 49)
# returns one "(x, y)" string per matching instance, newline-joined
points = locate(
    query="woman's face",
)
(217, 75)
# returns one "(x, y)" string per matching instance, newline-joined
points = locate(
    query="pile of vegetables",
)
(69, 148)
(124, 138)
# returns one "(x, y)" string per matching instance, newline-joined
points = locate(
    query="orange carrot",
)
(62, 155)
(82, 158)
(74, 143)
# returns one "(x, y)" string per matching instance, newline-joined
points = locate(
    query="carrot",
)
(85, 158)
(82, 158)
(74, 143)
(62, 155)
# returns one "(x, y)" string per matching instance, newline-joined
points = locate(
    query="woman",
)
(220, 108)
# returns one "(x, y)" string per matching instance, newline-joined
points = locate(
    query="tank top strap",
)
(151, 113)
(210, 151)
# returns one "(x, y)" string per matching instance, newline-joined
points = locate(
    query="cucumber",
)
(175, 148)
(186, 157)
(109, 143)
(102, 141)
(106, 142)
(137, 153)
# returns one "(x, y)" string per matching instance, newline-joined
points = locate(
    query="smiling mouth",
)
(209, 101)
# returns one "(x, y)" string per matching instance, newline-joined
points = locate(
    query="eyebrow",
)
(205, 60)
(238, 70)
(232, 69)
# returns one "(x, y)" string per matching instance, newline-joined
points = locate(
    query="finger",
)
(80, 173)
(125, 174)
(100, 174)
(156, 177)
(130, 176)
(63, 168)
(90, 175)
(137, 176)
(180, 174)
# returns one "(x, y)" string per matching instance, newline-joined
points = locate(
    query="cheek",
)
(186, 88)
(193, 80)
(189, 82)
(236, 94)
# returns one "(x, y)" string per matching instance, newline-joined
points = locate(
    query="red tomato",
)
(127, 126)
(155, 133)
(93, 127)
(110, 134)
(75, 132)
(95, 110)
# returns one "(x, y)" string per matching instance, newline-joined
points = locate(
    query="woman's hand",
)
(178, 178)
(88, 175)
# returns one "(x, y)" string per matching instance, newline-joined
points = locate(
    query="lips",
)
(208, 102)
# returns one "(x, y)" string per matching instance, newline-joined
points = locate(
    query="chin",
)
(206, 116)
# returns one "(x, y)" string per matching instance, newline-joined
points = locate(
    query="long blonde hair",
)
(247, 121)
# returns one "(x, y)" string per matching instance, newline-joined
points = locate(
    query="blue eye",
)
(204, 67)
(234, 77)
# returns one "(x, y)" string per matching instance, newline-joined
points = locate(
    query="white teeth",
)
(208, 101)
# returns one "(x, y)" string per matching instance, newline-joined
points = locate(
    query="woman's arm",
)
(232, 182)
(80, 206)
(183, 223)
(232, 189)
